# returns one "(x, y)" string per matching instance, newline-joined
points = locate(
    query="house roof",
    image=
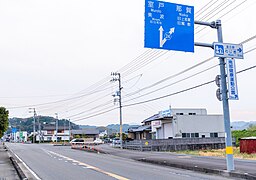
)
(156, 117)
(151, 118)
(85, 131)
(141, 128)
(54, 128)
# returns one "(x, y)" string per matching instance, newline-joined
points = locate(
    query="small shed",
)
(248, 145)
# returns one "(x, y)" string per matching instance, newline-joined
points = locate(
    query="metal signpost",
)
(171, 26)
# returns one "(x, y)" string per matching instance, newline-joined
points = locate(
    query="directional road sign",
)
(232, 83)
(14, 130)
(228, 50)
(169, 26)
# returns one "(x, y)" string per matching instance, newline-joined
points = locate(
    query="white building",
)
(187, 123)
(20, 136)
(49, 134)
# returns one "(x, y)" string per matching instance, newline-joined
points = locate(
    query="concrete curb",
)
(18, 169)
(200, 169)
(20, 173)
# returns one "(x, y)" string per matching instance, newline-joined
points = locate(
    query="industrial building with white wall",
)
(187, 123)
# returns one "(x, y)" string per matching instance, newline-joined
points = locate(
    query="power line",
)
(186, 78)
(172, 94)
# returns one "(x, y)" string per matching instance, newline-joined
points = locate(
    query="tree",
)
(4, 114)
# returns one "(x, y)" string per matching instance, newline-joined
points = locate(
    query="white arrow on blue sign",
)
(226, 50)
(169, 26)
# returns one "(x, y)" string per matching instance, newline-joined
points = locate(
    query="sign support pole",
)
(228, 137)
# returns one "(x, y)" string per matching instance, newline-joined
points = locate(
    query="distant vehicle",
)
(98, 141)
(82, 141)
(116, 142)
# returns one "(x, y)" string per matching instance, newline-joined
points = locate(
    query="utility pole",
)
(34, 123)
(39, 129)
(118, 78)
(69, 130)
(224, 90)
(56, 134)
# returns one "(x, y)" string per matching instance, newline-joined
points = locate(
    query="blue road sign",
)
(228, 50)
(232, 83)
(14, 130)
(169, 26)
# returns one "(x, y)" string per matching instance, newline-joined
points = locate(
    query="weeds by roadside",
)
(219, 153)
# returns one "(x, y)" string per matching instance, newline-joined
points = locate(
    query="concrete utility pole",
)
(56, 134)
(34, 123)
(39, 129)
(120, 104)
(224, 90)
(69, 130)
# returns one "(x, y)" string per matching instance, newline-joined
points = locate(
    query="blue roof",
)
(152, 118)
(141, 128)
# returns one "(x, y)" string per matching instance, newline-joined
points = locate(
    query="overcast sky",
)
(57, 56)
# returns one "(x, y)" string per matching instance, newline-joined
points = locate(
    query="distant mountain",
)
(241, 125)
(116, 127)
(86, 127)
(26, 124)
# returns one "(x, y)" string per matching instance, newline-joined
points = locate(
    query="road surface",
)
(61, 162)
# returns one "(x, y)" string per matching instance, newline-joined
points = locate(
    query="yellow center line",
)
(92, 167)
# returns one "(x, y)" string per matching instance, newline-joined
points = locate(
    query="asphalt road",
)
(241, 165)
(61, 162)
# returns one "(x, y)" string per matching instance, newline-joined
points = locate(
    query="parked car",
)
(82, 141)
(98, 141)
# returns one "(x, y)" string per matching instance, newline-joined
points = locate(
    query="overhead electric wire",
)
(161, 97)
(185, 70)
(147, 60)
(186, 78)
(232, 9)
(98, 84)
(131, 71)
(100, 113)
(205, 7)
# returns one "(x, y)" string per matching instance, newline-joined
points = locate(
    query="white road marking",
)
(89, 166)
(30, 170)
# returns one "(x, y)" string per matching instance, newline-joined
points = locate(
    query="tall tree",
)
(3, 120)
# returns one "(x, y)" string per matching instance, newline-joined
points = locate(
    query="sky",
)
(57, 57)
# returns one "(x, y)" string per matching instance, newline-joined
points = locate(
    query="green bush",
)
(242, 133)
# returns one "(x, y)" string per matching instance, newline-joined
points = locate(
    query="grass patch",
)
(219, 153)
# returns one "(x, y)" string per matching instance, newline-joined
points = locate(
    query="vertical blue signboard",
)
(169, 26)
(232, 82)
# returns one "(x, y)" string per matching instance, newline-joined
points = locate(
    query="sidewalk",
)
(7, 170)
(245, 169)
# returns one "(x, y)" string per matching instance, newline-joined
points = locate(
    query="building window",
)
(179, 113)
(191, 113)
(186, 135)
(213, 134)
(194, 135)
